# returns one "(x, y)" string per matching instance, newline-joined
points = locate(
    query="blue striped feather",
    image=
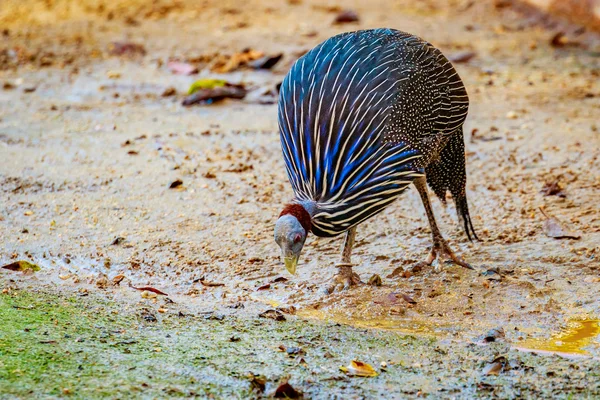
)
(334, 112)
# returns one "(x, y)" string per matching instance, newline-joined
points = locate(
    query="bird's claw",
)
(447, 255)
(441, 252)
(344, 279)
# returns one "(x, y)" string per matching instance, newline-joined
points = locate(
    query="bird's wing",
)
(433, 99)
(334, 109)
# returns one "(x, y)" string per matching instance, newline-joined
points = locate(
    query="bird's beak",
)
(290, 263)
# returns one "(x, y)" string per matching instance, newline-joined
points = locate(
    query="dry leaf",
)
(375, 280)
(126, 48)
(149, 289)
(561, 40)
(462, 57)
(286, 391)
(22, 266)
(236, 61)
(117, 279)
(272, 314)
(266, 62)
(148, 295)
(358, 368)
(553, 188)
(346, 16)
(495, 367)
(182, 68)
(554, 229)
(257, 382)
(264, 287)
(210, 284)
(209, 96)
(408, 299)
(168, 92)
(176, 183)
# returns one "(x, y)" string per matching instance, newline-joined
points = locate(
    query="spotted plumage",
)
(362, 116)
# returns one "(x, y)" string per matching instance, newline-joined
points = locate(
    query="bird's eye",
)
(297, 238)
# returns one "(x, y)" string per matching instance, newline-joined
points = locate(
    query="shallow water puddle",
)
(362, 315)
(385, 322)
(569, 341)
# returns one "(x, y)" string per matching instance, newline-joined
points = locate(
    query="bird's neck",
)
(299, 212)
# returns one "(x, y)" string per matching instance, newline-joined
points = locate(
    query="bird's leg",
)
(345, 278)
(347, 249)
(440, 246)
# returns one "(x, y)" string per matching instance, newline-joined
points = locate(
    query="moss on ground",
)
(83, 347)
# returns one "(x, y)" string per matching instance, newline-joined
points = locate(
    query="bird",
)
(362, 116)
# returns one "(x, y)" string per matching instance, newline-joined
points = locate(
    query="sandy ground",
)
(90, 147)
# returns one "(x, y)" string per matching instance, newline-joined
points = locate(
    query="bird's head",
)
(291, 230)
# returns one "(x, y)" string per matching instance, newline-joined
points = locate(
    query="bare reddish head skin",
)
(296, 210)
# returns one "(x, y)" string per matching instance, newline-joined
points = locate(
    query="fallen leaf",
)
(206, 84)
(553, 188)
(358, 368)
(346, 16)
(287, 309)
(126, 48)
(554, 229)
(230, 63)
(264, 287)
(182, 68)
(559, 39)
(209, 96)
(375, 280)
(279, 279)
(266, 62)
(408, 299)
(168, 92)
(209, 284)
(102, 282)
(286, 391)
(462, 56)
(176, 183)
(257, 382)
(148, 295)
(117, 240)
(149, 289)
(272, 314)
(22, 266)
(117, 279)
(495, 367)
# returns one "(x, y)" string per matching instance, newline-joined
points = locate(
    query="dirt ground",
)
(91, 144)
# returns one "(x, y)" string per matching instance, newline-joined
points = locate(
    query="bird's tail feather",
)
(448, 173)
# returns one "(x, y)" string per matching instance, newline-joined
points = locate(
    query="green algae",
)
(59, 346)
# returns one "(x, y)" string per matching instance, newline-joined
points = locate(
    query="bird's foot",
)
(445, 254)
(440, 251)
(343, 280)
